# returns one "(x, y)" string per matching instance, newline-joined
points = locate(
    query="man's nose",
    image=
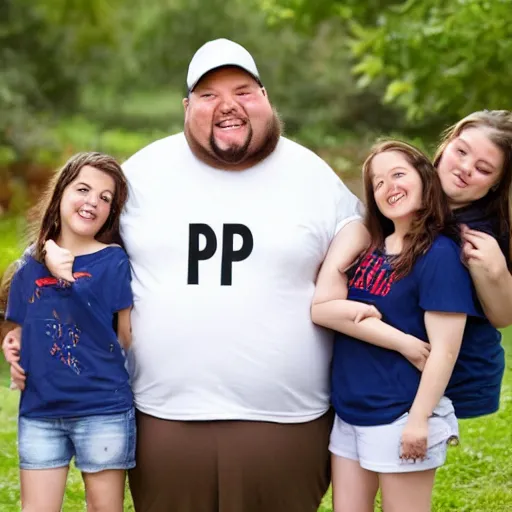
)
(227, 104)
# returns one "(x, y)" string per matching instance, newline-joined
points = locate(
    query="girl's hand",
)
(11, 345)
(59, 261)
(18, 377)
(482, 252)
(366, 311)
(416, 352)
(414, 439)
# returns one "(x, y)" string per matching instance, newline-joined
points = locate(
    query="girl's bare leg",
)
(104, 491)
(353, 488)
(403, 492)
(42, 490)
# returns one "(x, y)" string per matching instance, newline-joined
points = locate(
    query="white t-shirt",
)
(224, 268)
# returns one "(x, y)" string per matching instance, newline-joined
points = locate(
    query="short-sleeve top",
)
(475, 385)
(372, 385)
(74, 363)
(222, 326)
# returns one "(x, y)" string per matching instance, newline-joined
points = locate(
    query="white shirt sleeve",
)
(348, 206)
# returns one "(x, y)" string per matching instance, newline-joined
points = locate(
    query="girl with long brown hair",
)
(393, 422)
(76, 399)
(474, 164)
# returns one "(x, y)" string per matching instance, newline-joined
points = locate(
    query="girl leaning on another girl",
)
(415, 348)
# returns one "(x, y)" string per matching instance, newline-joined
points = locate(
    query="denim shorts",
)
(97, 442)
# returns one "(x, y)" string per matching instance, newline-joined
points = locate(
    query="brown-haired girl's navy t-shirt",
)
(74, 363)
(372, 385)
(475, 385)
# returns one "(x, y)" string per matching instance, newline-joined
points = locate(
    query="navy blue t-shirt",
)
(74, 363)
(373, 385)
(475, 385)
(476, 216)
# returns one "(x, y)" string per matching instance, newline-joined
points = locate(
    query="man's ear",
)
(185, 102)
(264, 91)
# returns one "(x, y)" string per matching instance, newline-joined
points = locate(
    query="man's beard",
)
(238, 155)
(234, 154)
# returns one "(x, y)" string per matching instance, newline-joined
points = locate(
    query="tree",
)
(47, 51)
(440, 58)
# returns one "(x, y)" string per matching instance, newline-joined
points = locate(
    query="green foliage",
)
(307, 75)
(449, 57)
(306, 14)
(48, 50)
(110, 76)
(12, 232)
(7, 156)
(440, 60)
(135, 110)
(309, 80)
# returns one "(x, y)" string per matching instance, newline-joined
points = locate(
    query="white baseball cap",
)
(216, 54)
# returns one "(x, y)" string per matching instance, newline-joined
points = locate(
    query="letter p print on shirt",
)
(229, 254)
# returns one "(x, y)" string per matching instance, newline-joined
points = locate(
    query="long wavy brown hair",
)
(430, 220)
(498, 125)
(45, 222)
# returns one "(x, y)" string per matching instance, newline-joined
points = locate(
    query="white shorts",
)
(377, 448)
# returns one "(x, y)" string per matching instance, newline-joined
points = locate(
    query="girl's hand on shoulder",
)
(414, 440)
(365, 311)
(59, 261)
(483, 253)
(11, 345)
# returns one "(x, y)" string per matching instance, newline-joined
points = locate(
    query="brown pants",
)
(230, 466)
